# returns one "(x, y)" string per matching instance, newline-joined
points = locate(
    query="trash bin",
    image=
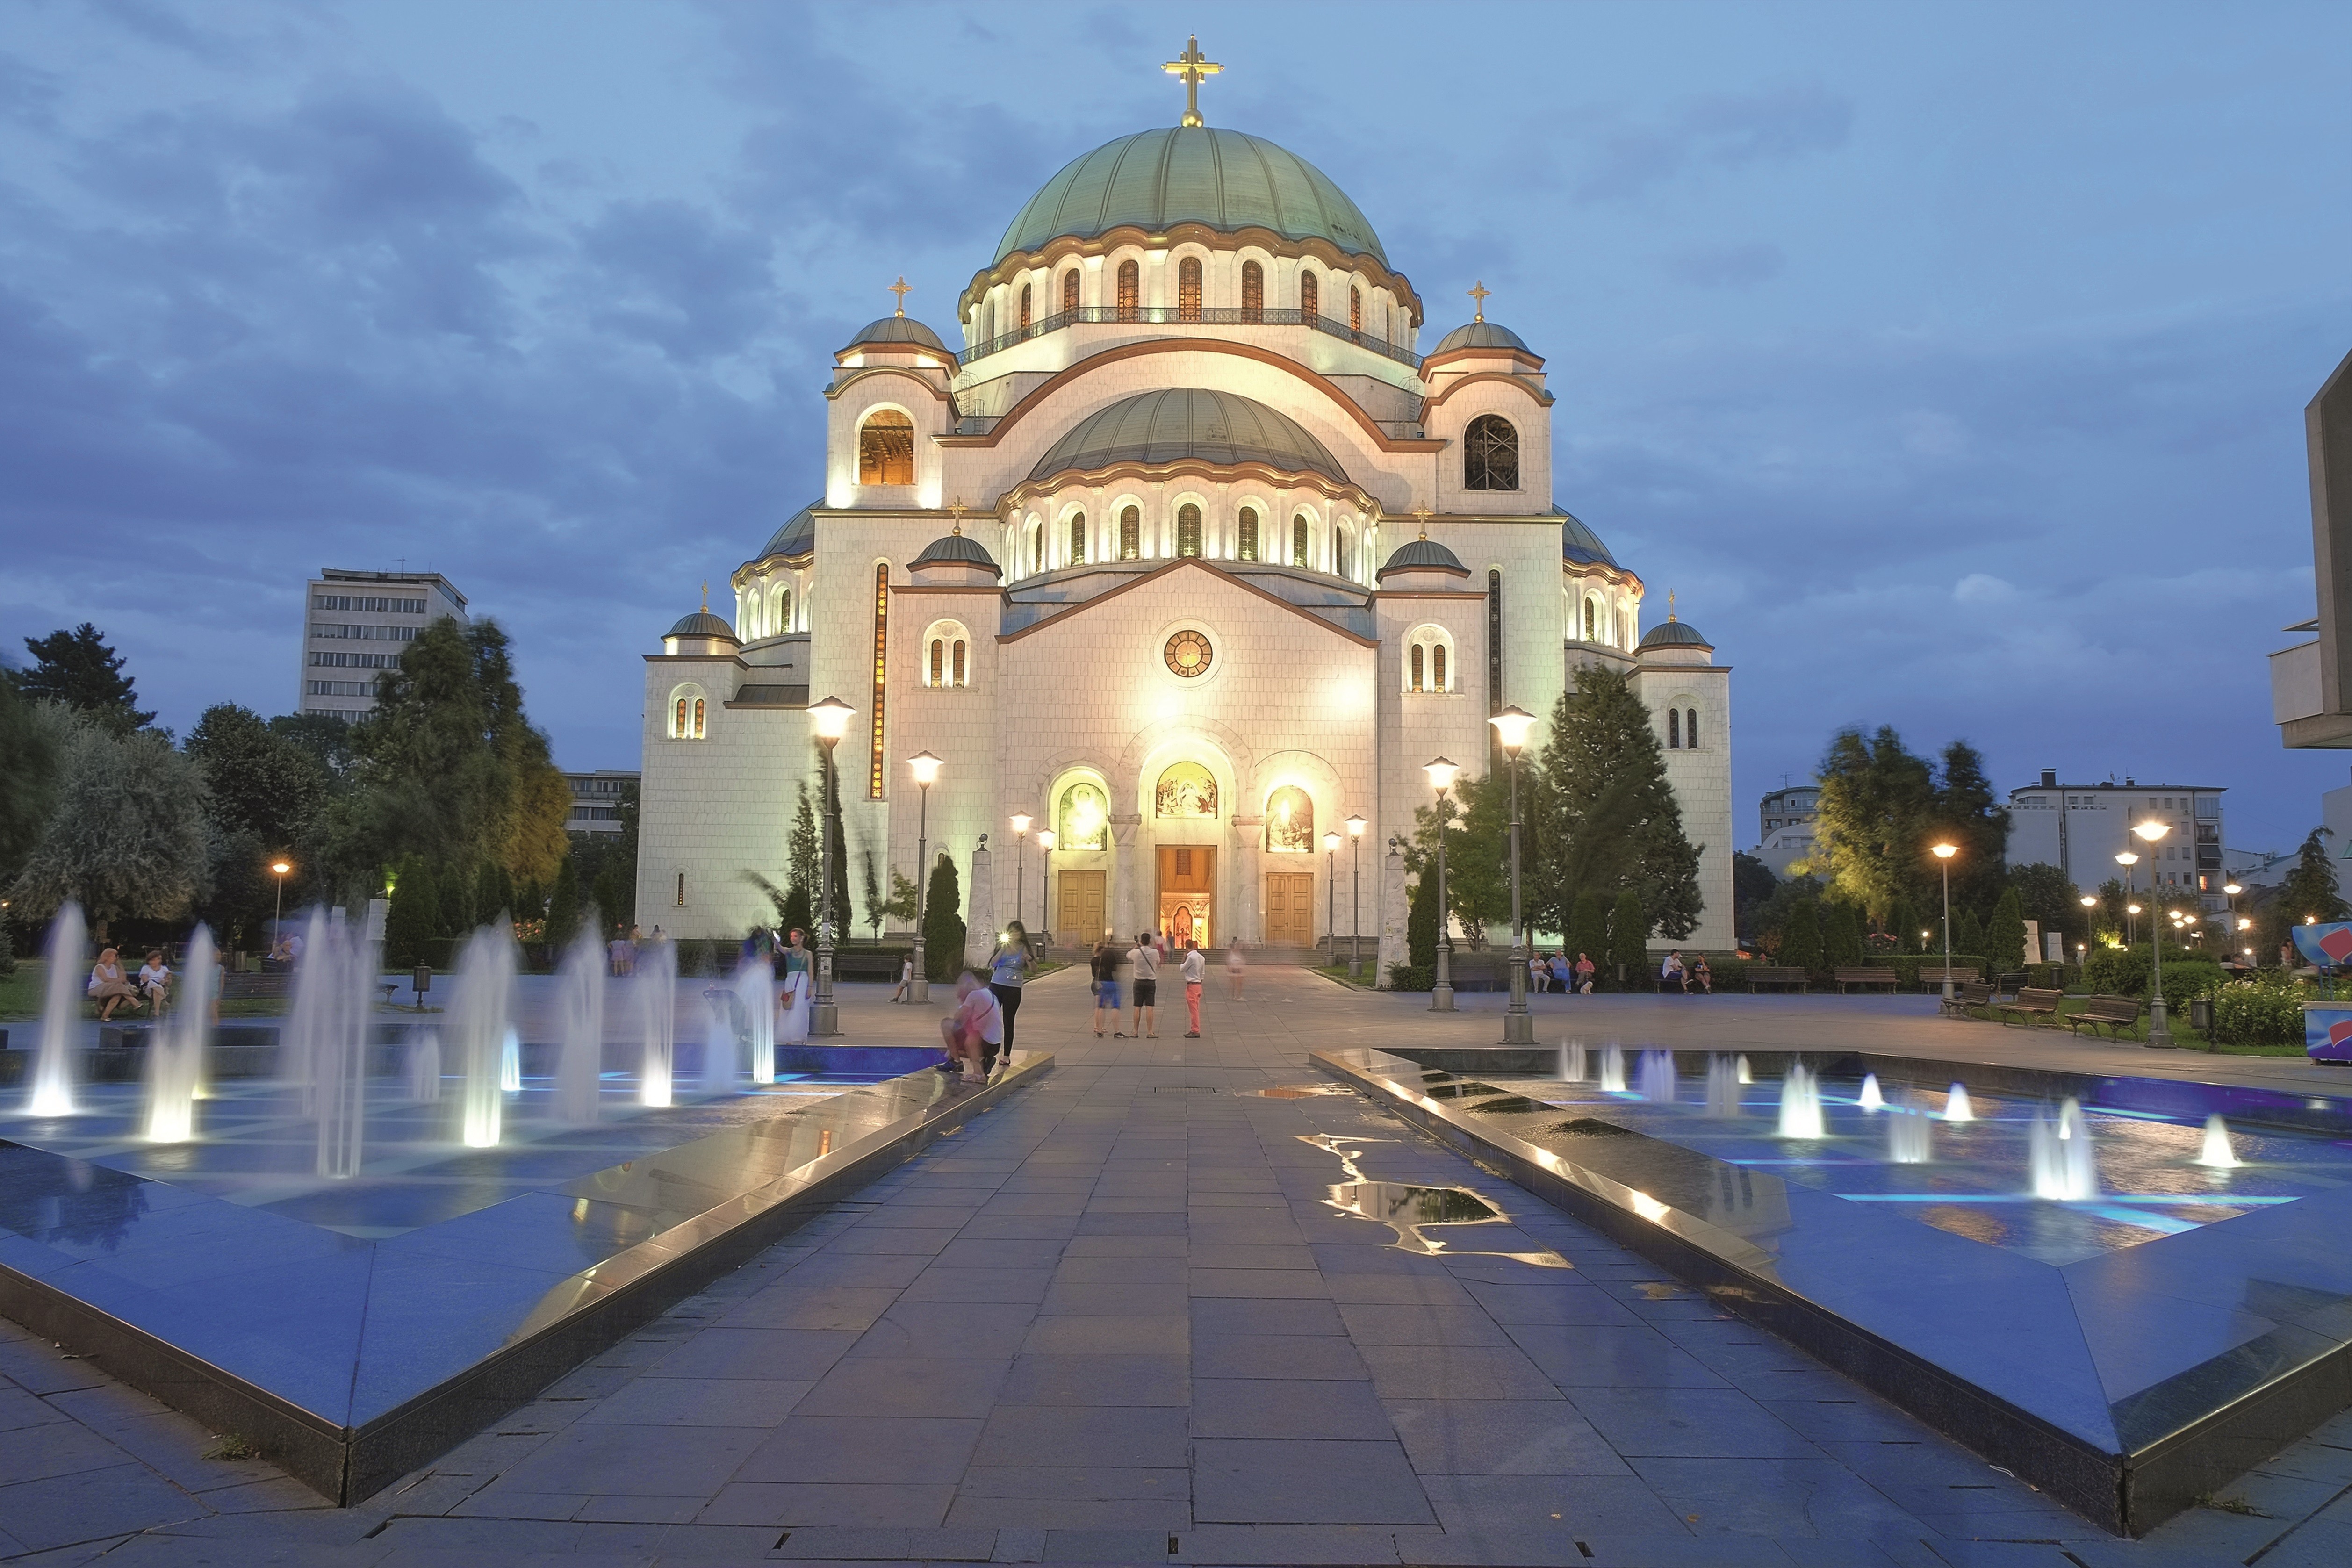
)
(2200, 1014)
(421, 981)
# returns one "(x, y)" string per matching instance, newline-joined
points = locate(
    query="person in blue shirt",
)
(1007, 973)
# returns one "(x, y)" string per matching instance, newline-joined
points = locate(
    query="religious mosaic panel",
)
(1187, 789)
(1084, 818)
(1290, 821)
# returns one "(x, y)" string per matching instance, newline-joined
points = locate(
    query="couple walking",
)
(1145, 958)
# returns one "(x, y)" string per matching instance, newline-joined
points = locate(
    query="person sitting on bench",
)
(108, 988)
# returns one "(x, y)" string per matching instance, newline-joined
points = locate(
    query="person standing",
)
(1104, 968)
(1233, 962)
(1196, 970)
(1145, 957)
(906, 991)
(1008, 972)
(799, 983)
(623, 953)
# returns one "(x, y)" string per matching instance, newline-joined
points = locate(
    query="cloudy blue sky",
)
(1947, 362)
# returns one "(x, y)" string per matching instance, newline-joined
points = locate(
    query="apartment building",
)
(356, 625)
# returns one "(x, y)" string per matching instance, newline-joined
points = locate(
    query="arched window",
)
(1070, 291)
(938, 662)
(1413, 680)
(1298, 540)
(1130, 533)
(1690, 729)
(1246, 549)
(1356, 311)
(1253, 291)
(1085, 818)
(1188, 529)
(1343, 550)
(1674, 729)
(1188, 289)
(1036, 549)
(1186, 789)
(1310, 296)
(946, 655)
(784, 611)
(1290, 821)
(1490, 455)
(957, 656)
(1078, 539)
(1025, 307)
(988, 324)
(885, 449)
(1130, 291)
(689, 714)
(1592, 621)
(1428, 655)
(1437, 667)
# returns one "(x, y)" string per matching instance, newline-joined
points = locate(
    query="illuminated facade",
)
(1189, 554)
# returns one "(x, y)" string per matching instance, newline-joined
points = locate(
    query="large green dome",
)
(1155, 180)
(1168, 427)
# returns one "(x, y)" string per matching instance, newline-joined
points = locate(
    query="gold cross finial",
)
(956, 507)
(902, 289)
(1670, 604)
(1423, 514)
(1192, 65)
(1480, 293)
(705, 595)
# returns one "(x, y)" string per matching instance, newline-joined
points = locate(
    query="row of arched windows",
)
(1128, 295)
(689, 714)
(1429, 660)
(1682, 729)
(1249, 539)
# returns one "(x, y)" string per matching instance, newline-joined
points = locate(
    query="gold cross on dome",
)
(705, 595)
(1670, 604)
(902, 289)
(1480, 293)
(1192, 65)
(1423, 514)
(956, 506)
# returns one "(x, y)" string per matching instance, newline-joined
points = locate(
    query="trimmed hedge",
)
(2265, 1011)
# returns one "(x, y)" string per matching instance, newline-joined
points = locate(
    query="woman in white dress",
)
(792, 999)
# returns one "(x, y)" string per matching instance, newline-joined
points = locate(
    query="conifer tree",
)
(414, 920)
(1841, 935)
(944, 931)
(1967, 935)
(1605, 819)
(563, 906)
(456, 896)
(1800, 937)
(1421, 920)
(1588, 930)
(80, 670)
(1902, 925)
(2004, 933)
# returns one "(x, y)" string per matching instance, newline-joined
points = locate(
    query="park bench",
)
(267, 982)
(1775, 974)
(2033, 1003)
(868, 964)
(1972, 997)
(1868, 974)
(1933, 975)
(2113, 1014)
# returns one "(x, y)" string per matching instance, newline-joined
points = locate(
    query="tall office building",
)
(355, 625)
(2081, 828)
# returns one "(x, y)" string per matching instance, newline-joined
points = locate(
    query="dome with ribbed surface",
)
(1218, 427)
(1675, 634)
(1422, 555)
(1155, 180)
(954, 549)
(1480, 335)
(1580, 544)
(898, 329)
(703, 623)
(797, 537)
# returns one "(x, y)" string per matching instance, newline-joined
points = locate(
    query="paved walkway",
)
(1115, 1321)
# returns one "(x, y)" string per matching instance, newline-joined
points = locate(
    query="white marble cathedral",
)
(1189, 555)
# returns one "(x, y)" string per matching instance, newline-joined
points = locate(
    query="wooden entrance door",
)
(1079, 915)
(1188, 891)
(1290, 909)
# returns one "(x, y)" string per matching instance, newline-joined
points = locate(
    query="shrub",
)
(1412, 977)
(1800, 937)
(1421, 922)
(2123, 971)
(2267, 1011)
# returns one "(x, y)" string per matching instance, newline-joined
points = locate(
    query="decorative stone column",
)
(1393, 948)
(980, 918)
(1247, 896)
(1132, 877)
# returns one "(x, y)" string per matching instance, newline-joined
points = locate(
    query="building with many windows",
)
(2081, 828)
(596, 800)
(1785, 826)
(1192, 552)
(356, 625)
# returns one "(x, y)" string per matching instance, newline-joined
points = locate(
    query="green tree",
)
(414, 920)
(1588, 929)
(263, 793)
(79, 669)
(126, 838)
(1421, 920)
(2310, 889)
(902, 905)
(1628, 938)
(943, 931)
(1968, 811)
(1752, 882)
(494, 893)
(2004, 933)
(459, 915)
(609, 899)
(1604, 816)
(29, 745)
(837, 867)
(1841, 935)
(800, 863)
(325, 738)
(2047, 897)
(1801, 937)
(876, 905)
(1968, 933)
(564, 909)
(1903, 923)
(1875, 804)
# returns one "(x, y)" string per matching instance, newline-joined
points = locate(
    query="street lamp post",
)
(2090, 903)
(1331, 892)
(831, 719)
(926, 768)
(1046, 839)
(1020, 867)
(1944, 853)
(1356, 826)
(278, 868)
(2131, 931)
(1518, 1028)
(1440, 995)
(2160, 1035)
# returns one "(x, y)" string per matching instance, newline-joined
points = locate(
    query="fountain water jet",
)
(1801, 1104)
(479, 1014)
(2218, 1155)
(424, 1069)
(1909, 1137)
(333, 1002)
(1722, 1089)
(1871, 1099)
(755, 984)
(510, 1062)
(1743, 1072)
(1657, 1077)
(657, 1004)
(53, 1070)
(580, 1030)
(720, 1046)
(1571, 1062)
(1956, 1104)
(2062, 1162)
(175, 1058)
(1612, 1070)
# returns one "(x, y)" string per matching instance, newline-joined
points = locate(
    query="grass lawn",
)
(20, 997)
(2177, 1019)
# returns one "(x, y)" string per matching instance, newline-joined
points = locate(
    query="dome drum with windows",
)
(1181, 534)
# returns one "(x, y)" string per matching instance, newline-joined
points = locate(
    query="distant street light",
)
(1441, 773)
(1356, 826)
(2128, 860)
(279, 867)
(1519, 1028)
(1943, 853)
(1019, 839)
(2160, 1037)
(926, 769)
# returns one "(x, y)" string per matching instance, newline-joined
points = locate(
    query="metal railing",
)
(1178, 315)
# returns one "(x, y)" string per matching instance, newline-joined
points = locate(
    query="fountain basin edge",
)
(2124, 1489)
(591, 1311)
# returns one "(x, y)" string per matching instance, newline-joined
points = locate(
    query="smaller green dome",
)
(954, 549)
(1579, 544)
(1675, 634)
(1481, 335)
(797, 537)
(898, 329)
(1422, 555)
(703, 623)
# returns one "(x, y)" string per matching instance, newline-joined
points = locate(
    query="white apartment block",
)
(596, 800)
(2081, 828)
(356, 625)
